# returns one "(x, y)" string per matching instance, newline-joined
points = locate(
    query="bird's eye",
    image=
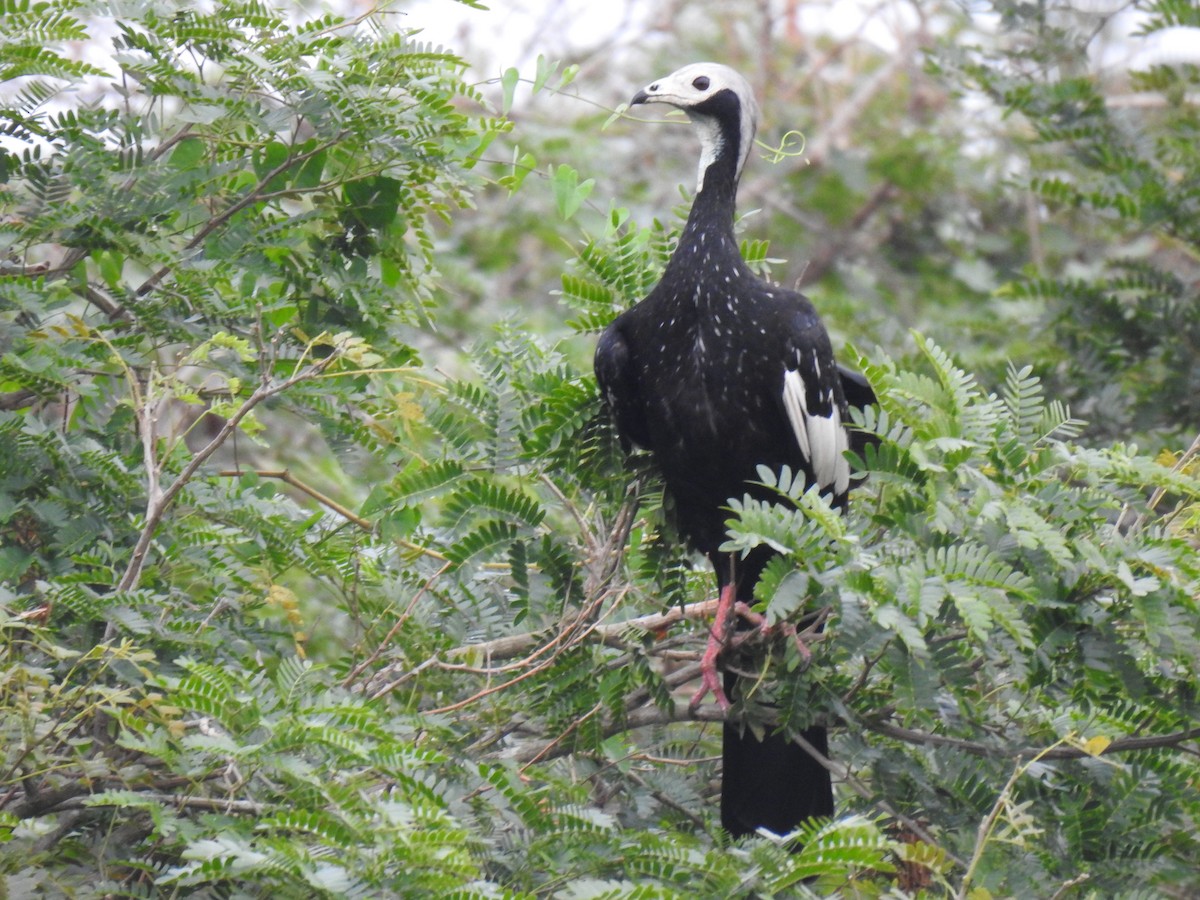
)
(701, 83)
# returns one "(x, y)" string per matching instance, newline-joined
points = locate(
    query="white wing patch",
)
(822, 439)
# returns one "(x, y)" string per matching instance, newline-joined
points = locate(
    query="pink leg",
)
(721, 635)
(710, 678)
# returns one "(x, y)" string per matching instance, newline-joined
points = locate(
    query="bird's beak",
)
(639, 97)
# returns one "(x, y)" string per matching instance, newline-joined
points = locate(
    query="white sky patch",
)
(875, 23)
(1169, 47)
(516, 32)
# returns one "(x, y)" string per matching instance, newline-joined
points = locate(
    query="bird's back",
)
(709, 362)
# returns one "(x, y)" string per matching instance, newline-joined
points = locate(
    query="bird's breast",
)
(708, 379)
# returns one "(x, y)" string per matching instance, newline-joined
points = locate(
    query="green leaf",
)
(188, 153)
(569, 192)
(509, 81)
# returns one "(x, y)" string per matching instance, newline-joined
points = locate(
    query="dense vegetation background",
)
(321, 573)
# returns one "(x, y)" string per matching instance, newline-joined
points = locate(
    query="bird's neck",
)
(715, 203)
(708, 240)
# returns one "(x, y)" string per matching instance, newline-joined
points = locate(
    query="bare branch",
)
(820, 265)
(543, 750)
(159, 501)
(358, 669)
(615, 634)
(16, 399)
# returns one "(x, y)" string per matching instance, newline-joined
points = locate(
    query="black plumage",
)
(717, 372)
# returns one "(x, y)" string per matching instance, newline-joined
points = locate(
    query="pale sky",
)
(515, 32)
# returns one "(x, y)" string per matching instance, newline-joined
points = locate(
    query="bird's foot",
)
(765, 629)
(710, 678)
(729, 608)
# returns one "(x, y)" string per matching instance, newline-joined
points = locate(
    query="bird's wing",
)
(856, 388)
(814, 403)
(617, 379)
(859, 395)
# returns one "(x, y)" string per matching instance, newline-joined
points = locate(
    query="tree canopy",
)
(322, 572)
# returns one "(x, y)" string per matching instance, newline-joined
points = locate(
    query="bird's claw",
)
(759, 621)
(727, 611)
(710, 682)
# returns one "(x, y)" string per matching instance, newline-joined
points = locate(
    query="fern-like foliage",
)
(986, 585)
(298, 598)
(1126, 330)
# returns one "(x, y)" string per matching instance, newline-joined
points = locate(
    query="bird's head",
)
(718, 100)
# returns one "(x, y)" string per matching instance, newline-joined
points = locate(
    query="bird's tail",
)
(772, 783)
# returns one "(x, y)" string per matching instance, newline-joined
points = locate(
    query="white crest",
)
(688, 88)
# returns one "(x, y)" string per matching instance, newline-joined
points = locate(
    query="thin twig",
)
(512, 645)
(403, 617)
(571, 729)
(217, 804)
(1056, 752)
(1159, 493)
(984, 833)
(1067, 885)
(534, 643)
(640, 718)
(159, 501)
(843, 774)
(254, 195)
(570, 636)
(665, 799)
(288, 478)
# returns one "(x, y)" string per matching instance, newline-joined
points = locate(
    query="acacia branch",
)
(1160, 492)
(158, 500)
(365, 524)
(543, 750)
(254, 195)
(75, 254)
(30, 804)
(820, 265)
(613, 634)
(983, 834)
(17, 399)
(541, 647)
(676, 712)
(387, 639)
(77, 799)
(537, 649)
(575, 632)
(976, 748)
(291, 480)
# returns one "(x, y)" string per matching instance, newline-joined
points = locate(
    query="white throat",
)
(712, 139)
(712, 142)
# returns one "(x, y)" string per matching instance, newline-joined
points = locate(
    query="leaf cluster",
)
(298, 598)
(1003, 600)
(1118, 181)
